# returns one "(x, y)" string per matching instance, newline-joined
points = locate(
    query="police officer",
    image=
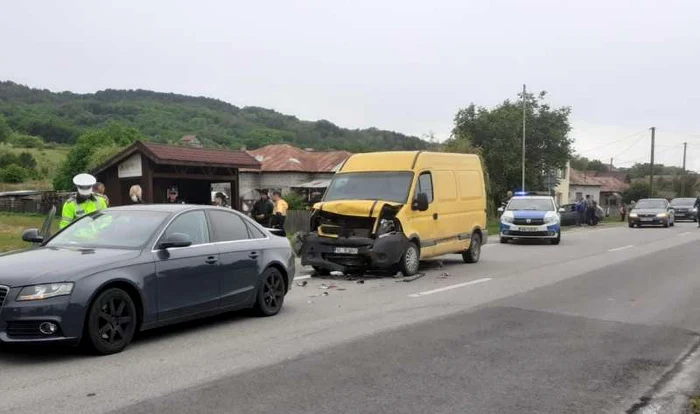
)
(82, 203)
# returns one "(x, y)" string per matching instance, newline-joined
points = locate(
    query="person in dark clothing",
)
(697, 205)
(262, 210)
(220, 200)
(623, 211)
(580, 212)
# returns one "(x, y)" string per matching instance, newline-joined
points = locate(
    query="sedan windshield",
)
(110, 229)
(683, 202)
(387, 186)
(651, 204)
(534, 204)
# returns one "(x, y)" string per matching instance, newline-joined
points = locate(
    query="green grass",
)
(12, 226)
(48, 158)
(694, 405)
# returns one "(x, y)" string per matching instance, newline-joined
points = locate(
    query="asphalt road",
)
(589, 326)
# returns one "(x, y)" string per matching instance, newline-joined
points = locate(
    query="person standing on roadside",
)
(697, 205)
(136, 194)
(99, 190)
(83, 202)
(262, 209)
(279, 215)
(580, 212)
(623, 211)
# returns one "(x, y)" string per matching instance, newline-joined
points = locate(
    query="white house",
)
(582, 184)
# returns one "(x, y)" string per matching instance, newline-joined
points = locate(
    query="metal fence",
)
(296, 221)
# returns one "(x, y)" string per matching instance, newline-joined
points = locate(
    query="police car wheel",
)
(111, 323)
(504, 240)
(410, 260)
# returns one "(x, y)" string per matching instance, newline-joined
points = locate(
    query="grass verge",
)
(11, 227)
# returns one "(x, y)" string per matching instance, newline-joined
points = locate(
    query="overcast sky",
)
(623, 66)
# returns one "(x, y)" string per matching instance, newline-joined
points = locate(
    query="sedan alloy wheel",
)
(111, 322)
(271, 293)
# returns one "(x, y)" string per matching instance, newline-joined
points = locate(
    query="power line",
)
(612, 142)
(630, 147)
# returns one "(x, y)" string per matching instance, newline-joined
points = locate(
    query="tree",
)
(13, 174)
(26, 161)
(497, 135)
(81, 158)
(636, 191)
(26, 141)
(585, 164)
(5, 130)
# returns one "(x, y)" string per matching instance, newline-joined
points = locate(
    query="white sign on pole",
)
(131, 167)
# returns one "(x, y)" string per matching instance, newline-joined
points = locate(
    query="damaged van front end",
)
(353, 236)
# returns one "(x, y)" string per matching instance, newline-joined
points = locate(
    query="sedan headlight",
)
(39, 292)
(662, 215)
(507, 217)
(550, 218)
(695, 209)
(633, 215)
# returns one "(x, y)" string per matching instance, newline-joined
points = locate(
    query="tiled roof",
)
(286, 158)
(577, 177)
(592, 178)
(218, 157)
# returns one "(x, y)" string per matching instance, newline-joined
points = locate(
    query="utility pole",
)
(611, 164)
(523, 180)
(685, 148)
(651, 176)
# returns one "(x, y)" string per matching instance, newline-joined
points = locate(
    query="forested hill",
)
(166, 117)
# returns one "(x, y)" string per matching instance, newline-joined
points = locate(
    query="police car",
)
(530, 217)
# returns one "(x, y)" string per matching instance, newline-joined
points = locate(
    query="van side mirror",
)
(501, 209)
(32, 236)
(421, 202)
(562, 210)
(175, 240)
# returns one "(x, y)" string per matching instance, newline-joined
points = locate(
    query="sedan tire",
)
(270, 297)
(111, 322)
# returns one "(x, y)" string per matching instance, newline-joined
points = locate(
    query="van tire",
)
(410, 260)
(473, 254)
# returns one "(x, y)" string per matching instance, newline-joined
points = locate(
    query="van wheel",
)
(474, 253)
(410, 260)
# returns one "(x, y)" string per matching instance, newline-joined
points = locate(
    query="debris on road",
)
(444, 275)
(325, 293)
(302, 283)
(398, 275)
(360, 282)
(411, 278)
(325, 286)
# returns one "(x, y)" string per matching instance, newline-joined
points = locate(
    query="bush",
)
(295, 201)
(26, 141)
(13, 174)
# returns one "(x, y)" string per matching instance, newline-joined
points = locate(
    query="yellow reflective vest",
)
(73, 210)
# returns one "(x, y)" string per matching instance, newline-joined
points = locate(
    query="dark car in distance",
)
(684, 209)
(651, 212)
(127, 269)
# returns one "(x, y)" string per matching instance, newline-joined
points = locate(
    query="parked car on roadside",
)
(651, 212)
(567, 214)
(684, 209)
(113, 273)
(531, 217)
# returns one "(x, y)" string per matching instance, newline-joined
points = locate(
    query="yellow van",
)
(388, 210)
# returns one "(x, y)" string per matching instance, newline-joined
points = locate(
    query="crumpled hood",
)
(357, 208)
(50, 264)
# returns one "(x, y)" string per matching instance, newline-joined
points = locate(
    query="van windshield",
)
(387, 186)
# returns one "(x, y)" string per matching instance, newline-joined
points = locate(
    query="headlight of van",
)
(507, 217)
(386, 227)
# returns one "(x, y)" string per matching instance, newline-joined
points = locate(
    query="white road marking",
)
(617, 249)
(684, 234)
(446, 288)
(302, 277)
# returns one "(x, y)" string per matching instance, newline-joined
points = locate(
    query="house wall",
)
(592, 190)
(561, 191)
(250, 181)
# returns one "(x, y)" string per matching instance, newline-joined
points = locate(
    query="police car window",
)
(535, 204)
(193, 224)
(425, 185)
(227, 227)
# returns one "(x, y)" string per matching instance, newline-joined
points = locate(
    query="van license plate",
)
(346, 250)
(528, 229)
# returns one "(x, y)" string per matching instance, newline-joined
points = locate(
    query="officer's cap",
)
(84, 182)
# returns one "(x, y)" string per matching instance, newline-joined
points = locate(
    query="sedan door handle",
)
(211, 260)
(253, 255)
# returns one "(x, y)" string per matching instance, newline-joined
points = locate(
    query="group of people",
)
(269, 211)
(587, 211)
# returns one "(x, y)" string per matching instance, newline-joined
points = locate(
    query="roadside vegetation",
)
(11, 227)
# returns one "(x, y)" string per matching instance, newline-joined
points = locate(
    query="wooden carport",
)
(157, 167)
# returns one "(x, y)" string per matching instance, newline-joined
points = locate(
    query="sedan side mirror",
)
(175, 240)
(562, 210)
(421, 202)
(32, 236)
